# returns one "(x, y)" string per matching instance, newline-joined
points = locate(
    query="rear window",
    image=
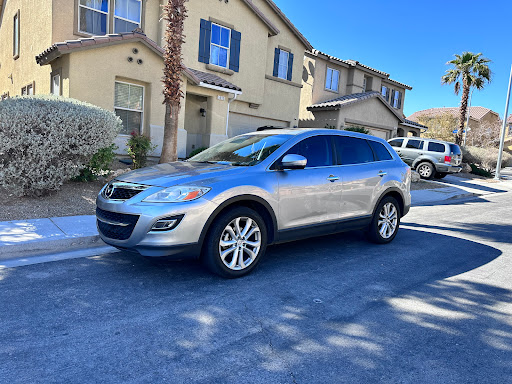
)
(436, 147)
(396, 142)
(414, 144)
(454, 148)
(351, 150)
(380, 151)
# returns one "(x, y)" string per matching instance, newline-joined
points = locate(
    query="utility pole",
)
(502, 139)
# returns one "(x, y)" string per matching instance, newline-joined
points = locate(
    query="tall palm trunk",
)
(462, 112)
(174, 14)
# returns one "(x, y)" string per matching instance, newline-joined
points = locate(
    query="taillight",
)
(448, 159)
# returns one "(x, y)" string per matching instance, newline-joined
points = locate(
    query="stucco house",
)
(343, 93)
(242, 58)
(508, 135)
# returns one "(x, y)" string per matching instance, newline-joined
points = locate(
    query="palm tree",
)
(174, 13)
(469, 70)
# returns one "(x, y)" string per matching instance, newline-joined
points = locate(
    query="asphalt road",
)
(435, 306)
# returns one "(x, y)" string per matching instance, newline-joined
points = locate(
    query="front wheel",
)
(235, 243)
(385, 222)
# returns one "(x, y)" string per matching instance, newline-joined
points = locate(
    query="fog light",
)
(166, 224)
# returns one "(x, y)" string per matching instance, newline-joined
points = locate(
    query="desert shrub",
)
(138, 148)
(484, 158)
(196, 151)
(357, 128)
(47, 140)
(99, 165)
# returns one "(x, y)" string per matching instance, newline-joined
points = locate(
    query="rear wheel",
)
(440, 175)
(235, 243)
(385, 222)
(426, 170)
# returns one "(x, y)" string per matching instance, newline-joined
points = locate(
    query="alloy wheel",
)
(425, 171)
(388, 220)
(240, 243)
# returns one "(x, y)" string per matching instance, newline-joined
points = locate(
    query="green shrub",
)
(484, 158)
(357, 128)
(479, 171)
(196, 151)
(47, 140)
(138, 148)
(100, 164)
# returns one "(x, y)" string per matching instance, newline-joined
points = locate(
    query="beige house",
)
(345, 93)
(243, 62)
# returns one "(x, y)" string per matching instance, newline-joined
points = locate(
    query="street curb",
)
(39, 248)
(449, 199)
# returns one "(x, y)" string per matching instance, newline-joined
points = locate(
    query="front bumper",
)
(182, 241)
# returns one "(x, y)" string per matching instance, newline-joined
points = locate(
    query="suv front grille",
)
(118, 226)
(122, 191)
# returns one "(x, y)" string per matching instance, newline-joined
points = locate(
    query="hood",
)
(179, 172)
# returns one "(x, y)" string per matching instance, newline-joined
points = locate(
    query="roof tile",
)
(209, 78)
(475, 113)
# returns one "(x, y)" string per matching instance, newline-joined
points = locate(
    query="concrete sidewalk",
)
(23, 238)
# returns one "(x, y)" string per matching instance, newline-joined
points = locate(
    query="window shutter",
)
(392, 100)
(204, 41)
(276, 62)
(399, 100)
(234, 54)
(387, 94)
(290, 67)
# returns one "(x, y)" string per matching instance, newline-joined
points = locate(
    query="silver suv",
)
(226, 204)
(430, 158)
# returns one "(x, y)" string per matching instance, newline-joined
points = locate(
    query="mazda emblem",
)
(109, 191)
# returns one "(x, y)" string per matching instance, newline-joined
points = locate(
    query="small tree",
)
(175, 13)
(439, 127)
(469, 70)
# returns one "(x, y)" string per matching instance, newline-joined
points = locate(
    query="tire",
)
(440, 175)
(426, 170)
(224, 236)
(390, 209)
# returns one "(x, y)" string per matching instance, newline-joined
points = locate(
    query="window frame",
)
(114, 17)
(220, 46)
(279, 65)
(16, 36)
(435, 143)
(141, 130)
(402, 139)
(384, 91)
(108, 13)
(26, 88)
(375, 154)
(397, 101)
(57, 72)
(329, 88)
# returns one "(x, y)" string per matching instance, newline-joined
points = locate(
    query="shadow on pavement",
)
(329, 309)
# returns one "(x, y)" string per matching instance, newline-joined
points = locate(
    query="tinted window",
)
(380, 151)
(414, 144)
(396, 142)
(436, 147)
(316, 149)
(351, 150)
(454, 148)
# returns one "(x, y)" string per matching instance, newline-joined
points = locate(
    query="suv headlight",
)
(177, 194)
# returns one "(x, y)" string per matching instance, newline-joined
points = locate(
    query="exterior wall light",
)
(202, 111)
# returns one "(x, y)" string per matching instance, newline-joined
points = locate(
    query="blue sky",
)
(412, 40)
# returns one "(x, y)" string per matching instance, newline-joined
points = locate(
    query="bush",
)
(138, 148)
(359, 129)
(196, 151)
(100, 164)
(484, 158)
(47, 140)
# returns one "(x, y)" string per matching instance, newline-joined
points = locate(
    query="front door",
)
(312, 195)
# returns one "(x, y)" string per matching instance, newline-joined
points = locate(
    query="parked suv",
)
(430, 158)
(226, 204)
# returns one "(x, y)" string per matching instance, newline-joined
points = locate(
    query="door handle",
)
(333, 178)
(381, 174)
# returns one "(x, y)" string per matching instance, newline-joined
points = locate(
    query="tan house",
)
(508, 135)
(243, 62)
(345, 93)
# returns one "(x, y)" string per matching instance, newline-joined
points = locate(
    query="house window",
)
(16, 36)
(219, 47)
(127, 15)
(364, 84)
(396, 99)
(384, 91)
(28, 90)
(4, 96)
(93, 16)
(332, 79)
(55, 85)
(283, 64)
(129, 106)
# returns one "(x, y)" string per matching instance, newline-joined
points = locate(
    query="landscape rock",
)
(415, 176)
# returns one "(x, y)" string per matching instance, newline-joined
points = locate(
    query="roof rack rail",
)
(267, 127)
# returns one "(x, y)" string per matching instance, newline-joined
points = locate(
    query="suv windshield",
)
(246, 150)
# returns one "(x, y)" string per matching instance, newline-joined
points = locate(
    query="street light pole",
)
(502, 139)
(467, 119)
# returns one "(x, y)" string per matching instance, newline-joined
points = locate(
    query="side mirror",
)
(293, 162)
